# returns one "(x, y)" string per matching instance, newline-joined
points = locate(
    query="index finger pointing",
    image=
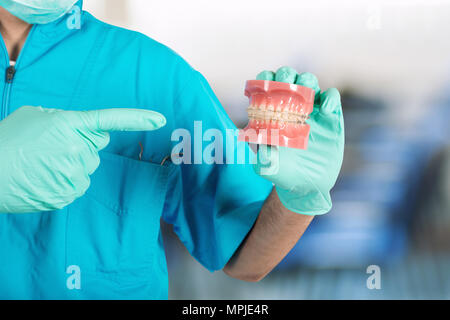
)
(122, 119)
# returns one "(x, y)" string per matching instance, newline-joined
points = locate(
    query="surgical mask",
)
(38, 11)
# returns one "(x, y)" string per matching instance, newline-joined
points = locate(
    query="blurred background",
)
(391, 61)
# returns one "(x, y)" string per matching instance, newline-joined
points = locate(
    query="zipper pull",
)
(10, 72)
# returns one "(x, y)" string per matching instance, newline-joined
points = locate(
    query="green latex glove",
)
(47, 155)
(304, 178)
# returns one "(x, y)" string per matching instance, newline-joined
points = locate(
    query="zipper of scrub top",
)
(11, 71)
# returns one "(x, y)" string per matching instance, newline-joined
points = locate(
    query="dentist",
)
(86, 119)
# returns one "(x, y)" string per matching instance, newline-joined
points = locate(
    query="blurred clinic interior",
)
(391, 60)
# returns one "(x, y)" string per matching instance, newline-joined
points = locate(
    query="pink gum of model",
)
(282, 98)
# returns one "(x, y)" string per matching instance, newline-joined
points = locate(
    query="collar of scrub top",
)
(44, 36)
(59, 26)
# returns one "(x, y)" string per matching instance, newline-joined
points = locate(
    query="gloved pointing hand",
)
(47, 155)
(304, 178)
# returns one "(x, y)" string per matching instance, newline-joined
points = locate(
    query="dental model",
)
(277, 114)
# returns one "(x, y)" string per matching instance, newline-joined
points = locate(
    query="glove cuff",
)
(310, 204)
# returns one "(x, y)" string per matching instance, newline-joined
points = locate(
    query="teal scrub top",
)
(110, 239)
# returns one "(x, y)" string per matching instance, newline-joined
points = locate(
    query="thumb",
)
(331, 101)
(119, 120)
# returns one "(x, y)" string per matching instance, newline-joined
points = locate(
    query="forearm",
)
(274, 234)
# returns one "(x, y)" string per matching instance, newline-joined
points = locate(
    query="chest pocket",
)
(114, 228)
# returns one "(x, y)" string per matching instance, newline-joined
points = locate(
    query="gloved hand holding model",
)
(47, 155)
(304, 178)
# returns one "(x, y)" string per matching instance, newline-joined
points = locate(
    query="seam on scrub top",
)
(87, 69)
(111, 207)
(188, 82)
